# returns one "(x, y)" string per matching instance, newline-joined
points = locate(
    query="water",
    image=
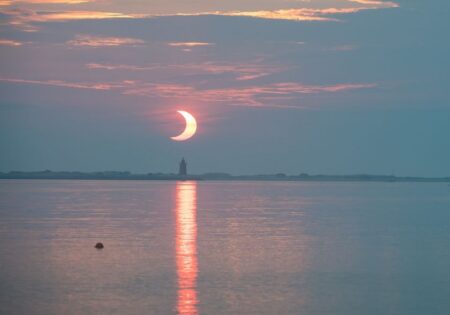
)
(224, 248)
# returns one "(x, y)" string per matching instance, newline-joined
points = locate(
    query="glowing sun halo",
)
(191, 127)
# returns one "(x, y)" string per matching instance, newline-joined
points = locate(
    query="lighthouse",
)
(183, 168)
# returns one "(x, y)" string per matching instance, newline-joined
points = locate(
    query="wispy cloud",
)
(241, 71)
(74, 15)
(9, 42)
(101, 66)
(96, 41)
(382, 4)
(270, 95)
(285, 14)
(74, 85)
(305, 13)
(309, 14)
(343, 48)
(47, 1)
(26, 19)
(246, 77)
(190, 44)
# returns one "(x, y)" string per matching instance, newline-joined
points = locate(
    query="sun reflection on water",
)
(186, 247)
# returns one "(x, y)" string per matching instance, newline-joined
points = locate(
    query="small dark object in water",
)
(99, 245)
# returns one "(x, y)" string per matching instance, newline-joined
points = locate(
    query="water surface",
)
(224, 247)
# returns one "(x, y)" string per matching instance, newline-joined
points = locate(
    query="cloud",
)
(246, 77)
(73, 15)
(8, 42)
(241, 71)
(382, 4)
(282, 14)
(121, 67)
(310, 14)
(285, 14)
(305, 13)
(47, 1)
(95, 41)
(189, 44)
(343, 48)
(269, 95)
(25, 19)
(74, 85)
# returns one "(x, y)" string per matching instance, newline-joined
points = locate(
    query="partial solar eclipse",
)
(191, 127)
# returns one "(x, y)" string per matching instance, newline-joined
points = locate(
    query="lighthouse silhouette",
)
(183, 168)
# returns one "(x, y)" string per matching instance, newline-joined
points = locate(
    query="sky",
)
(291, 86)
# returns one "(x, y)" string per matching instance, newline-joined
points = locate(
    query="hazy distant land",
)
(115, 175)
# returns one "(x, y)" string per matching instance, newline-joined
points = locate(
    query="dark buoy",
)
(99, 245)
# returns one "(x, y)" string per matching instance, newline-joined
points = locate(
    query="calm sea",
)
(224, 248)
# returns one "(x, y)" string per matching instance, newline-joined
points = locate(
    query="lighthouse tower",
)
(183, 168)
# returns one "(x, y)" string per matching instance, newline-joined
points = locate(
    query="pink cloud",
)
(8, 42)
(285, 14)
(305, 14)
(74, 85)
(47, 1)
(270, 95)
(25, 18)
(241, 71)
(189, 44)
(247, 77)
(255, 96)
(96, 41)
(382, 4)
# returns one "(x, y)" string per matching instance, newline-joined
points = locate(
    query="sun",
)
(191, 127)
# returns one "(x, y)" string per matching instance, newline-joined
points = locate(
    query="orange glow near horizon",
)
(186, 247)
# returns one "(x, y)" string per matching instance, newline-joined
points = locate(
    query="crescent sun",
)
(191, 127)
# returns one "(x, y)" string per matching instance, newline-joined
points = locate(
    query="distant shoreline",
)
(113, 175)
